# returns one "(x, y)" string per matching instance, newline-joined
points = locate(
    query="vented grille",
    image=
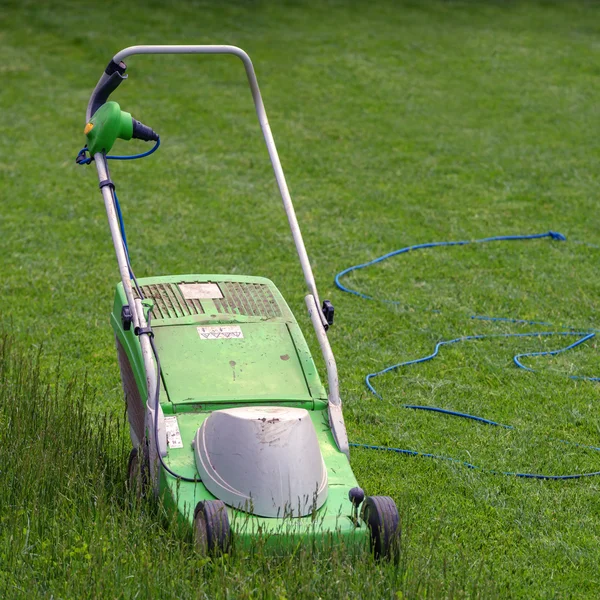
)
(169, 302)
(251, 299)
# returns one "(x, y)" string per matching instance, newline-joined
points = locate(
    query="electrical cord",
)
(585, 336)
(501, 238)
(150, 335)
(82, 159)
(121, 223)
(475, 467)
(156, 406)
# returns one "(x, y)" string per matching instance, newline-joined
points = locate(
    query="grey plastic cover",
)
(263, 460)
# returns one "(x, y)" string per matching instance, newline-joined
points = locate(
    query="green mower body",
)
(240, 347)
(230, 423)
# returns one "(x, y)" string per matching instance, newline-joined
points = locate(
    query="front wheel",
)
(381, 516)
(212, 533)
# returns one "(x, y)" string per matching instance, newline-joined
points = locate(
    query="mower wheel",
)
(211, 527)
(381, 516)
(138, 472)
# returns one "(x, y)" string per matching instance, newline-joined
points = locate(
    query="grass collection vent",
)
(251, 299)
(169, 302)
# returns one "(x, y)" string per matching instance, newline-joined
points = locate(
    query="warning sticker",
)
(220, 332)
(200, 291)
(173, 435)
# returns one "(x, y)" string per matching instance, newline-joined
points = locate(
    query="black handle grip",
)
(112, 77)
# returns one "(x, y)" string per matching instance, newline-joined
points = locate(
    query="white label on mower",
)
(200, 291)
(173, 435)
(220, 332)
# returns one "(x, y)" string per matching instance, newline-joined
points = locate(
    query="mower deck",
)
(228, 341)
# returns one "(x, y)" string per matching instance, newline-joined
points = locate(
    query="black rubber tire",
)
(212, 534)
(138, 473)
(381, 516)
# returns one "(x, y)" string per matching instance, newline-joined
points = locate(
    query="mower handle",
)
(109, 82)
(112, 77)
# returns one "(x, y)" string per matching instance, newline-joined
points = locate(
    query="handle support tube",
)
(109, 81)
(332, 375)
(115, 231)
(159, 444)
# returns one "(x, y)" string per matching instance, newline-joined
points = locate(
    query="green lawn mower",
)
(230, 423)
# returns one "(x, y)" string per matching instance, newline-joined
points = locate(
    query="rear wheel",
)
(138, 472)
(381, 516)
(211, 527)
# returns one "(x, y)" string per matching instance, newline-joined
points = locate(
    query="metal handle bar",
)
(264, 125)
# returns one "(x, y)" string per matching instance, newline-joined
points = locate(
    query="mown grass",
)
(397, 123)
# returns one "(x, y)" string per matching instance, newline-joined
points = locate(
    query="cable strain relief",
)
(143, 132)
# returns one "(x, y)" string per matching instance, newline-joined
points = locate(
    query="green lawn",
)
(397, 123)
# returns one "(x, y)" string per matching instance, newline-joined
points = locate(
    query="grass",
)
(71, 529)
(397, 123)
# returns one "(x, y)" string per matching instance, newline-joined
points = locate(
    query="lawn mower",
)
(230, 424)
